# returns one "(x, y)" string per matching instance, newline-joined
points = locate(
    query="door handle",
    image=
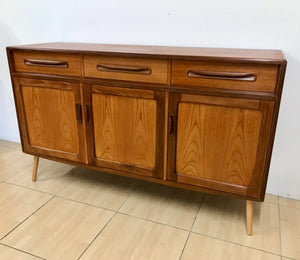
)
(124, 69)
(222, 75)
(88, 116)
(78, 113)
(172, 124)
(46, 63)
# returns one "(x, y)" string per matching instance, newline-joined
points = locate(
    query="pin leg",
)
(35, 167)
(249, 216)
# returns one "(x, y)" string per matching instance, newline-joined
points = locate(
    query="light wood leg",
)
(35, 167)
(249, 216)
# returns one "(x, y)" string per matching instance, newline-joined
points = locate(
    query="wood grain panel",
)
(217, 143)
(73, 62)
(51, 119)
(266, 75)
(125, 129)
(158, 68)
(221, 101)
(125, 92)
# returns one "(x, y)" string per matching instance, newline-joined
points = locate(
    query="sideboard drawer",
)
(126, 68)
(47, 63)
(227, 75)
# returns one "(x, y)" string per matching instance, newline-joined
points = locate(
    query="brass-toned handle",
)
(47, 63)
(222, 75)
(172, 125)
(78, 112)
(88, 116)
(124, 69)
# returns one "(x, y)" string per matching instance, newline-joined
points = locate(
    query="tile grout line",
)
(188, 236)
(17, 249)
(95, 206)
(235, 243)
(152, 221)
(149, 220)
(89, 245)
(57, 196)
(83, 252)
(25, 187)
(134, 189)
(25, 219)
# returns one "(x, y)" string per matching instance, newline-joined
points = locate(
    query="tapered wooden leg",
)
(35, 167)
(249, 216)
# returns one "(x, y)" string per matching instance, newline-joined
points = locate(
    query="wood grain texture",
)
(125, 129)
(217, 143)
(158, 68)
(73, 68)
(61, 229)
(127, 237)
(221, 101)
(265, 75)
(57, 87)
(160, 51)
(51, 119)
(166, 135)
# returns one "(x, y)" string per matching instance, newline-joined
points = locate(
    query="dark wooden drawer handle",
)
(47, 63)
(221, 75)
(124, 69)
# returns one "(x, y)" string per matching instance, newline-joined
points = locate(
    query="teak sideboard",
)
(202, 119)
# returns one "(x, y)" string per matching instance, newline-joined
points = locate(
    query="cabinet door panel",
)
(127, 129)
(50, 124)
(51, 118)
(221, 145)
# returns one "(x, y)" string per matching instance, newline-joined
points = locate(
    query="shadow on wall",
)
(8, 118)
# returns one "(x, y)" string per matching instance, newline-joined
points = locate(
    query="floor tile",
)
(290, 231)
(286, 258)
(8, 145)
(12, 162)
(269, 198)
(16, 204)
(224, 218)
(201, 247)
(96, 188)
(51, 176)
(7, 253)
(289, 202)
(62, 229)
(131, 238)
(167, 205)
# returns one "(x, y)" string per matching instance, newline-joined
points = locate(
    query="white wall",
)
(269, 24)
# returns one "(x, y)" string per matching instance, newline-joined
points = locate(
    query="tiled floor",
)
(74, 213)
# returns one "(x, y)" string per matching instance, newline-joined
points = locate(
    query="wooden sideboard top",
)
(275, 56)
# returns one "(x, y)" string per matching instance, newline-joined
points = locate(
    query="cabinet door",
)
(125, 129)
(219, 143)
(49, 115)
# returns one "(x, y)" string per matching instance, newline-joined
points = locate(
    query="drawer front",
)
(123, 68)
(47, 63)
(226, 75)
